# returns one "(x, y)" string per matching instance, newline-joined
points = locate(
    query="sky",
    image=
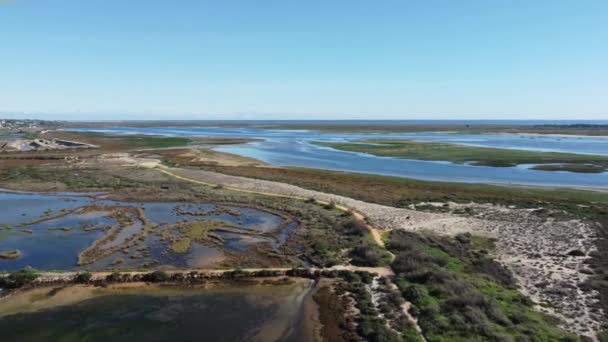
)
(338, 59)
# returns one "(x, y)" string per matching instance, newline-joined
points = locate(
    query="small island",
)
(474, 155)
(10, 255)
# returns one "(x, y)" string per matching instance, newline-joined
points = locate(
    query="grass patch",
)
(155, 141)
(85, 179)
(181, 245)
(481, 243)
(6, 232)
(188, 232)
(123, 142)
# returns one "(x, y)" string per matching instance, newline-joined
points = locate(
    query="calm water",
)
(47, 243)
(293, 148)
(169, 314)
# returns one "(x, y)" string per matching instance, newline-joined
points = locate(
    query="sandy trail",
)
(47, 277)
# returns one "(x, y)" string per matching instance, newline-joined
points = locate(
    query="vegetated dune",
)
(545, 252)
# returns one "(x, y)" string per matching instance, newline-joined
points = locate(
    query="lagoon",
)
(293, 148)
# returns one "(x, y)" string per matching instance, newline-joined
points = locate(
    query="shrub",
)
(394, 298)
(365, 256)
(415, 294)
(349, 276)
(19, 279)
(492, 269)
(366, 277)
(460, 294)
(603, 336)
(114, 277)
(83, 278)
(464, 300)
(354, 227)
(235, 274)
(156, 277)
(330, 206)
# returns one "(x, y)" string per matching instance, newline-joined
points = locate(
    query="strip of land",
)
(483, 156)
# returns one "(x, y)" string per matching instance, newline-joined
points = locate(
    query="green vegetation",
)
(579, 168)
(181, 245)
(330, 235)
(371, 325)
(17, 279)
(324, 236)
(590, 206)
(124, 142)
(30, 136)
(333, 315)
(117, 142)
(155, 141)
(368, 253)
(410, 127)
(382, 320)
(6, 232)
(83, 278)
(484, 156)
(460, 294)
(194, 231)
(157, 277)
(198, 230)
(401, 192)
(77, 179)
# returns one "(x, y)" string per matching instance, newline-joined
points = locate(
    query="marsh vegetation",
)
(482, 156)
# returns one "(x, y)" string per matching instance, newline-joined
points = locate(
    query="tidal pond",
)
(71, 231)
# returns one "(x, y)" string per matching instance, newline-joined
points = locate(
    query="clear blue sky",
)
(151, 59)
